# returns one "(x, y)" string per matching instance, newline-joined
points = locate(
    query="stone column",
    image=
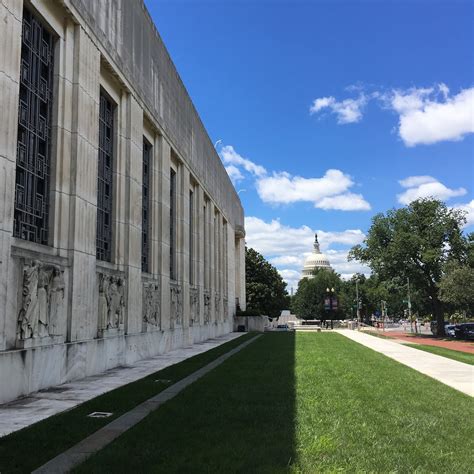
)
(82, 323)
(10, 39)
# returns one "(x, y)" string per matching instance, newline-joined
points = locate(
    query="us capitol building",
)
(316, 260)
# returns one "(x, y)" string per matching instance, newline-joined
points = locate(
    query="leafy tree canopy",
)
(265, 288)
(415, 242)
(456, 287)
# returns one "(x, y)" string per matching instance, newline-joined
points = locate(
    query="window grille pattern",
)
(172, 224)
(32, 186)
(105, 179)
(146, 205)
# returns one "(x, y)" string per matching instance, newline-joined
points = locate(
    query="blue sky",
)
(321, 108)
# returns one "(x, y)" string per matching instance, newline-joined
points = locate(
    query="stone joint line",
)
(78, 453)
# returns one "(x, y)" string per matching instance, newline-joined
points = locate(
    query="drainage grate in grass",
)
(99, 414)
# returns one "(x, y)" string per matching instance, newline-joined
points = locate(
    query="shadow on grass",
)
(31, 447)
(238, 418)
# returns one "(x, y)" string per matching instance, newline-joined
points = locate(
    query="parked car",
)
(464, 331)
(282, 327)
(449, 330)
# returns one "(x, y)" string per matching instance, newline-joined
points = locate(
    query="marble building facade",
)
(121, 235)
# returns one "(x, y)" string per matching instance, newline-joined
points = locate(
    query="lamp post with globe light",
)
(330, 303)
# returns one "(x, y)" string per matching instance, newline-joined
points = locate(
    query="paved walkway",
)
(76, 455)
(461, 346)
(40, 405)
(450, 372)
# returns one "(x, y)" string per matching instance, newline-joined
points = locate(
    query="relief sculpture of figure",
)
(42, 303)
(179, 307)
(151, 304)
(28, 315)
(120, 302)
(112, 300)
(207, 307)
(103, 304)
(56, 298)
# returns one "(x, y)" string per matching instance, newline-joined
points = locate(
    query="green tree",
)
(308, 301)
(265, 288)
(456, 287)
(415, 242)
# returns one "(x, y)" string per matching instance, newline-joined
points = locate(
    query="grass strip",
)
(465, 357)
(302, 403)
(33, 446)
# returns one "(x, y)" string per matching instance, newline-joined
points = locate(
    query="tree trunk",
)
(439, 316)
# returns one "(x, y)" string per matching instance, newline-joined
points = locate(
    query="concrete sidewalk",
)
(450, 372)
(40, 405)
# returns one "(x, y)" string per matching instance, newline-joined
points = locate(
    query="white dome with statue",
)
(316, 260)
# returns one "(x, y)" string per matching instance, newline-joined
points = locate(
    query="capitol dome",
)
(316, 260)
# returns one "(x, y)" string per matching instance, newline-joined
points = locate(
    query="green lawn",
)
(302, 403)
(33, 446)
(456, 355)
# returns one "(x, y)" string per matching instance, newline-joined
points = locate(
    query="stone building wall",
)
(64, 312)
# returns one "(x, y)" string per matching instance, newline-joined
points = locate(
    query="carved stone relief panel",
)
(194, 306)
(151, 306)
(41, 313)
(111, 304)
(176, 305)
(207, 307)
(217, 307)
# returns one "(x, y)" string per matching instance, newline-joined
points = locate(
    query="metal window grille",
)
(105, 179)
(173, 224)
(146, 205)
(33, 165)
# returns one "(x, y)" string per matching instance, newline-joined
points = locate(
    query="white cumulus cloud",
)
(231, 157)
(426, 187)
(234, 173)
(347, 110)
(344, 202)
(428, 116)
(468, 208)
(282, 188)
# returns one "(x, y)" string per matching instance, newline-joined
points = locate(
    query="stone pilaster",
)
(132, 203)
(10, 39)
(164, 193)
(183, 246)
(83, 201)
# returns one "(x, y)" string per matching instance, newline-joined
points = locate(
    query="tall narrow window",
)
(173, 224)
(33, 161)
(105, 178)
(191, 237)
(146, 206)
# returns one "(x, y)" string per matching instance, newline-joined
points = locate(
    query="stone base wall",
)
(38, 368)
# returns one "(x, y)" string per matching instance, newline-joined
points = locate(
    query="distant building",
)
(316, 260)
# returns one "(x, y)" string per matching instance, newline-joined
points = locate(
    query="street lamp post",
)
(357, 301)
(330, 303)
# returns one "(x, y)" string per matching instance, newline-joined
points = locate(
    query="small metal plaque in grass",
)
(163, 381)
(99, 414)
